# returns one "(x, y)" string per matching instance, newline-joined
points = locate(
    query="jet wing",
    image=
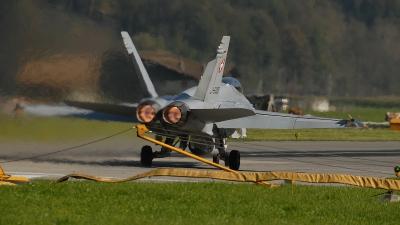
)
(124, 110)
(53, 110)
(273, 120)
(85, 110)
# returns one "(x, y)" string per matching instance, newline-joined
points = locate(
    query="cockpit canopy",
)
(232, 81)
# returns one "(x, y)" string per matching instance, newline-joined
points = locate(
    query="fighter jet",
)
(201, 118)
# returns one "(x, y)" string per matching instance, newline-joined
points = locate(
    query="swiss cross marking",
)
(221, 66)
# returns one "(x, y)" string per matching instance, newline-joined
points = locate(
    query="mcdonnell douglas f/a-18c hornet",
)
(203, 117)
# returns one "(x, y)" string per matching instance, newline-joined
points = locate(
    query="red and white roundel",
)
(221, 66)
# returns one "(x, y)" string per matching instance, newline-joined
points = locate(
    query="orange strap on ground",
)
(359, 181)
(6, 179)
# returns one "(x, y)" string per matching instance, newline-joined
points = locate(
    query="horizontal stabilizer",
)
(272, 120)
(217, 115)
(127, 111)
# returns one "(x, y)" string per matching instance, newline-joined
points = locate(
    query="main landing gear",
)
(147, 155)
(232, 159)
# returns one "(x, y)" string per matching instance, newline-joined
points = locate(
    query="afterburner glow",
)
(146, 113)
(173, 114)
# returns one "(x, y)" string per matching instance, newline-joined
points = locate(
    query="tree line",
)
(322, 47)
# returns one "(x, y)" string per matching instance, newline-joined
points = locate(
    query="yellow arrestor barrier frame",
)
(258, 178)
(6, 179)
(142, 129)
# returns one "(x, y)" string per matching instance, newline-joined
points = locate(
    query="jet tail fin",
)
(144, 79)
(209, 85)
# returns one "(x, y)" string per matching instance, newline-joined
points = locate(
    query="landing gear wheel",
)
(216, 159)
(234, 160)
(226, 159)
(146, 156)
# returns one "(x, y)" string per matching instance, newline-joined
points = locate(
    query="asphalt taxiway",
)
(120, 158)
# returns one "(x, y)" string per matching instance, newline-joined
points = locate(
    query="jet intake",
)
(176, 114)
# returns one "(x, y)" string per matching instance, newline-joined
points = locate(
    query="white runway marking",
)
(33, 175)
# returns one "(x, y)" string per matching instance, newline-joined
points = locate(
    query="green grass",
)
(364, 113)
(322, 135)
(86, 202)
(51, 129)
(54, 129)
(376, 102)
(89, 202)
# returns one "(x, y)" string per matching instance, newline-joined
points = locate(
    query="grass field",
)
(89, 202)
(48, 129)
(322, 135)
(53, 129)
(364, 113)
(85, 202)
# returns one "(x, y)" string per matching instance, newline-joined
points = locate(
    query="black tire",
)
(146, 156)
(234, 160)
(227, 160)
(215, 159)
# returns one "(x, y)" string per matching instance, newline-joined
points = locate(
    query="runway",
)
(120, 158)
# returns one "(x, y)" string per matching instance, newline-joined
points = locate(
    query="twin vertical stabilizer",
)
(144, 79)
(210, 83)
